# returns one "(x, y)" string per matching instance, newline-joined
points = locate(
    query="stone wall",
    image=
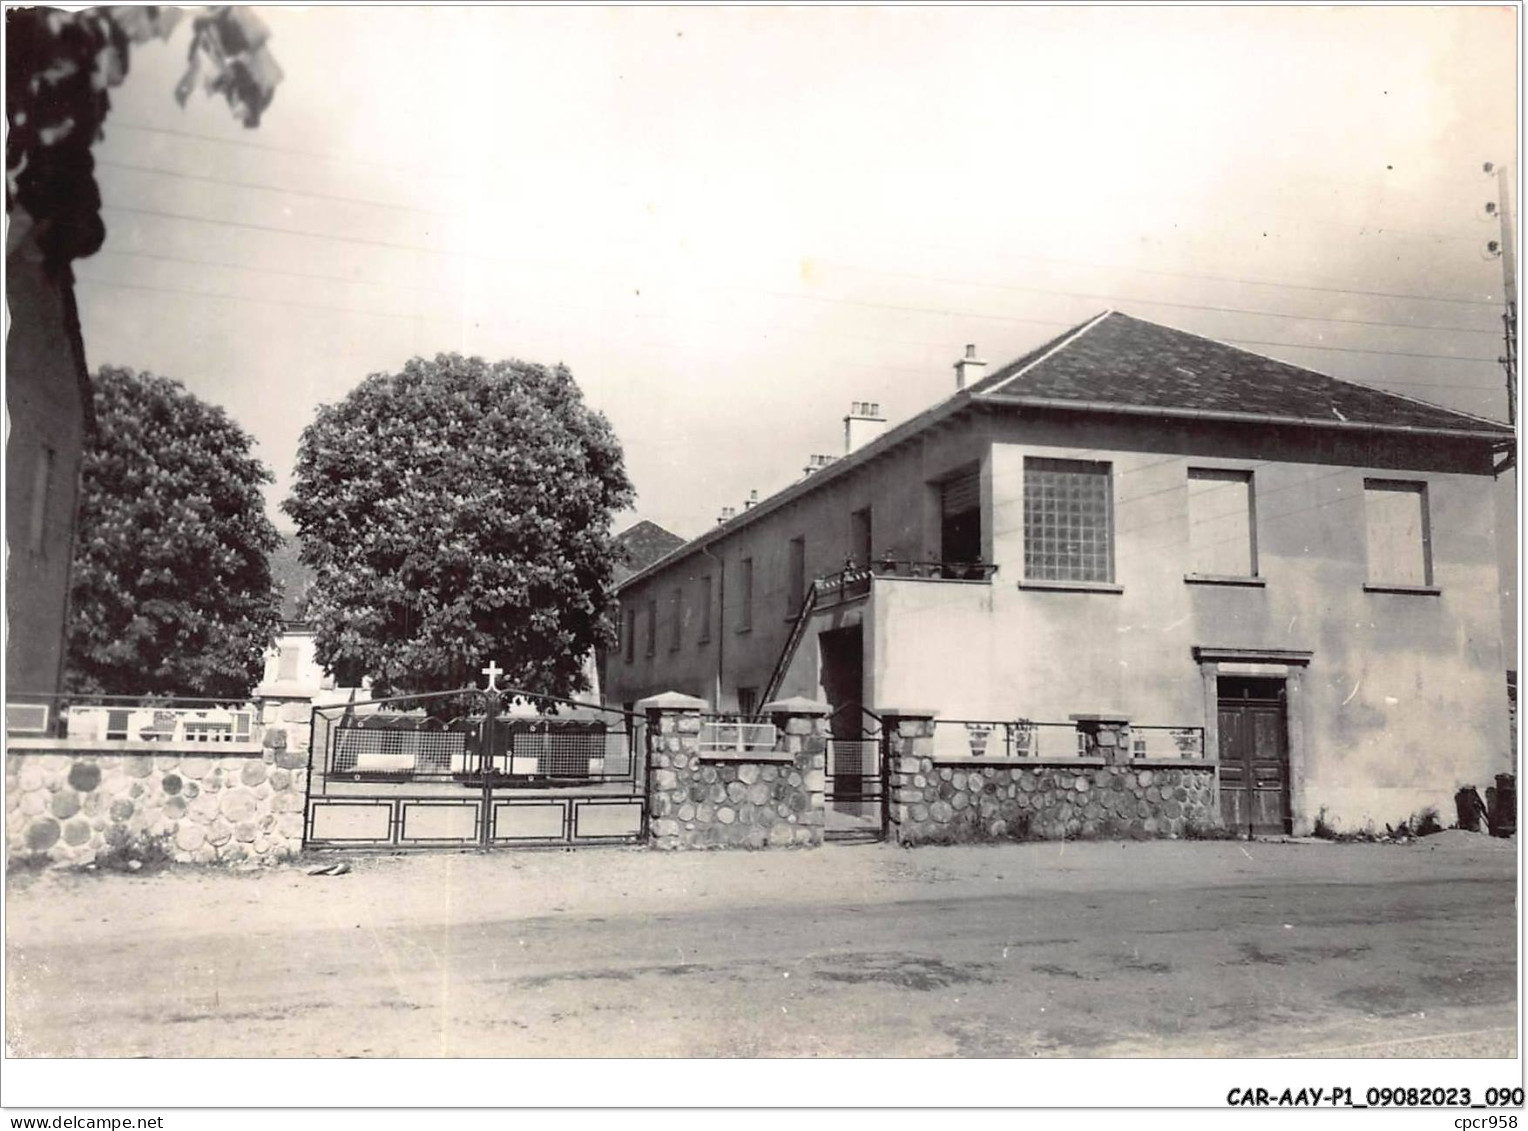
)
(203, 805)
(773, 799)
(983, 799)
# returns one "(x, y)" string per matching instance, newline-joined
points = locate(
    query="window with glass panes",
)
(1068, 520)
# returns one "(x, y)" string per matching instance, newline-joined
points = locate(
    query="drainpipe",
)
(721, 622)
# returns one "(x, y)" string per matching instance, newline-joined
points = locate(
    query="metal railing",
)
(1019, 738)
(734, 734)
(1167, 742)
(855, 579)
(454, 752)
(1025, 738)
(106, 718)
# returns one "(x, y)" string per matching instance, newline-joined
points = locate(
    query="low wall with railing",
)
(939, 796)
(725, 783)
(72, 801)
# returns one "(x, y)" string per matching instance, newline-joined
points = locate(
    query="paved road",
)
(1126, 951)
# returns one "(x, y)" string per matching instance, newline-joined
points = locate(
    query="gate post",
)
(909, 738)
(801, 727)
(673, 750)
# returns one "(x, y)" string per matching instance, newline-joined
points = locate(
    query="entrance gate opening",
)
(473, 768)
(856, 787)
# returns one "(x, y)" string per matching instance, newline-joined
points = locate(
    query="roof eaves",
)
(879, 446)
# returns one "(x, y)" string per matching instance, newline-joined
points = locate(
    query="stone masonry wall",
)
(71, 806)
(701, 801)
(940, 803)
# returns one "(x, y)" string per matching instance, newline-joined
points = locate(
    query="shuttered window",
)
(960, 518)
(961, 494)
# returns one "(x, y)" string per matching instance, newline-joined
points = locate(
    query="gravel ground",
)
(1092, 949)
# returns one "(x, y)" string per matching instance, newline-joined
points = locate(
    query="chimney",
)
(817, 463)
(863, 424)
(969, 367)
(753, 500)
(727, 515)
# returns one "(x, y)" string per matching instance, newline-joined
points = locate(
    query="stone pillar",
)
(1106, 736)
(673, 764)
(910, 733)
(801, 730)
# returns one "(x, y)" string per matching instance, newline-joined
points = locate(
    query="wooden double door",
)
(1254, 754)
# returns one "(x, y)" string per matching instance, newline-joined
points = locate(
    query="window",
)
(859, 537)
(652, 626)
(745, 598)
(631, 634)
(1222, 536)
(1068, 520)
(42, 496)
(286, 664)
(1400, 544)
(747, 701)
(795, 579)
(705, 608)
(676, 616)
(960, 518)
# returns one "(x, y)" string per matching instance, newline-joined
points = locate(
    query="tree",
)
(59, 68)
(455, 513)
(171, 586)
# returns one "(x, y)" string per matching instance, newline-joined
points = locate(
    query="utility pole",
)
(1507, 249)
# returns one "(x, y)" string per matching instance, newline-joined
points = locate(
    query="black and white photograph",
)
(647, 538)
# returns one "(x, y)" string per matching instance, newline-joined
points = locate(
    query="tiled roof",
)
(1116, 362)
(642, 545)
(1119, 361)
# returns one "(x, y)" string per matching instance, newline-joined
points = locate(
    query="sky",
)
(731, 223)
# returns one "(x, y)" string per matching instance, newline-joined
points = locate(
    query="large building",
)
(1129, 522)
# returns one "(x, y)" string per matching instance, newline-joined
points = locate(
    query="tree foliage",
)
(455, 513)
(171, 584)
(60, 67)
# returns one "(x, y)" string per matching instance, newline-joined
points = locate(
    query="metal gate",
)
(472, 768)
(856, 786)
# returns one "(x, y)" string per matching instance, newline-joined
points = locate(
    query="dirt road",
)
(1097, 949)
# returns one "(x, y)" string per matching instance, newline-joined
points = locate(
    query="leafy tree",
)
(171, 584)
(60, 67)
(457, 512)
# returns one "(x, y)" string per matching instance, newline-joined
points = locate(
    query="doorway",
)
(1253, 716)
(855, 783)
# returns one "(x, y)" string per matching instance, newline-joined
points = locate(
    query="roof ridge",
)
(1319, 373)
(1066, 340)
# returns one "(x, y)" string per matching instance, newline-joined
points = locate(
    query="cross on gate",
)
(493, 672)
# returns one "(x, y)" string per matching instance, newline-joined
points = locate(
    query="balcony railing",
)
(854, 579)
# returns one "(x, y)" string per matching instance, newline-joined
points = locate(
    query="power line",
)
(268, 148)
(1106, 297)
(233, 183)
(278, 230)
(1053, 322)
(1356, 349)
(944, 312)
(1248, 282)
(270, 270)
(394, 315)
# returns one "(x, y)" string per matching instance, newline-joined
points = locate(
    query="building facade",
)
(1131, 522)
(48, 402)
